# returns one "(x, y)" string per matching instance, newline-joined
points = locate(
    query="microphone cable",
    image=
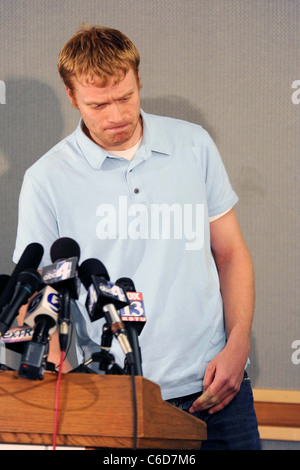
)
(63, 356)
(56, 407)
(134, 404)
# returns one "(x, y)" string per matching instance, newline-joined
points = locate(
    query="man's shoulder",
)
(177, 132)
(169, 120)
(60, 152)
(175, 126)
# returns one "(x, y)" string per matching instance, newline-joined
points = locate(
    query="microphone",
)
(104, 299)
(44, 303)
(15, 336)
(4, 278)
(134, 318)
(63, 275)
(28, 282)
(95, 279)
(30, 258)
(43, 312)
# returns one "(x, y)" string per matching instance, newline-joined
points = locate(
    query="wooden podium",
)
(94, 411)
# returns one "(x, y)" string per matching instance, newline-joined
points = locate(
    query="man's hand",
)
(222, 381)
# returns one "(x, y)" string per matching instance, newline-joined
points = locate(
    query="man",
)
(149, 196)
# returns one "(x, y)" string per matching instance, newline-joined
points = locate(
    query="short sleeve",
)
(36, 220)
(220, 195)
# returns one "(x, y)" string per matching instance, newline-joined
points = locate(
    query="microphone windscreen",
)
(64, 248)
(30, 259)
(91, 267)
(126, 283)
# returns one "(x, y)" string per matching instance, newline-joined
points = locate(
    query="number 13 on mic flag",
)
(135, 311)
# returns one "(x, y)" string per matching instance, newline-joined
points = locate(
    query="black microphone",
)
(28, 282)
(30, 258)
(63, 276)
(4, 278)
(65, 253)
(43, 312)
(15, 336)
(133, 318)
(104, 299)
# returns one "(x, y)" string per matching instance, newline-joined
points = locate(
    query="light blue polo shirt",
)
(146, 219)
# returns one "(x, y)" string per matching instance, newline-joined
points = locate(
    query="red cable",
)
(57, 398)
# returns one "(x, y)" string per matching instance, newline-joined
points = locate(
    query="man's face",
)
(111, 113)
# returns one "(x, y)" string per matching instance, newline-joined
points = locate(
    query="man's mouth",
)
(118, 128)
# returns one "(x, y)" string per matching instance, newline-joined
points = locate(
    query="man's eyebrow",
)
(124, 95)
(99, 103)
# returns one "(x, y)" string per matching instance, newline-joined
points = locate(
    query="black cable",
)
(56, 367)
(134, 406)
(70, 339)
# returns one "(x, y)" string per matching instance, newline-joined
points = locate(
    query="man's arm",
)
(224, 374)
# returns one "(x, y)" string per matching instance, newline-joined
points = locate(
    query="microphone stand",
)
(104, 357)
(136, 350)
(64, 317)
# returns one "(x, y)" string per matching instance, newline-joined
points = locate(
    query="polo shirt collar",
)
(154, 136)
(154, 139)
(94, 154)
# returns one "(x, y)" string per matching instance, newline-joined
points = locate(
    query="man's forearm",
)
(237, 288)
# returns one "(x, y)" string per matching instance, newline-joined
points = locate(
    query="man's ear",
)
(139, 81)
(71, 97)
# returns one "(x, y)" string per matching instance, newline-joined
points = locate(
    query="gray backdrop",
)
(229, 65)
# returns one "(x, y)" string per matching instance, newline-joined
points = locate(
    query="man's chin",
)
(119, 139)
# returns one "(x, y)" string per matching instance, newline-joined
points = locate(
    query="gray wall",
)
(226, 64)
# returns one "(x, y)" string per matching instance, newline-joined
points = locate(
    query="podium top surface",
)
(94, 411)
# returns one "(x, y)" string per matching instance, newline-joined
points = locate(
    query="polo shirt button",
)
(136, 190)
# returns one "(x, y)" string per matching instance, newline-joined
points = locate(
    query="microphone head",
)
(30, 258)
(91, 267)
(64, 248)
(126, 283)
(63, 273)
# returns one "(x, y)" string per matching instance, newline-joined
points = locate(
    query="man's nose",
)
(115, 114)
